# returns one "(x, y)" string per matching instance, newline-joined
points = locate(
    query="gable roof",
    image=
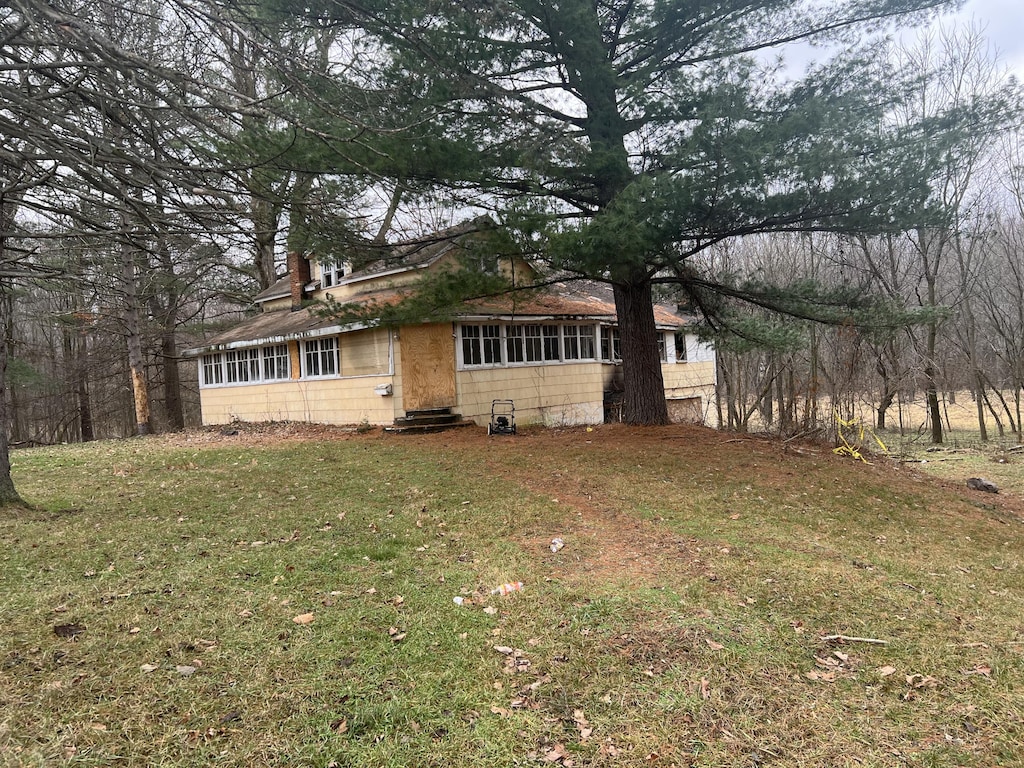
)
(395, 259)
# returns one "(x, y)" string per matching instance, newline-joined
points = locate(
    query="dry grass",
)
(682, 624)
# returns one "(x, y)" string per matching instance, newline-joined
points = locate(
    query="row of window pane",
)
(238, 366)
(509, 344)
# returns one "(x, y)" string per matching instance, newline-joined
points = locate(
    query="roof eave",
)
(313, 333)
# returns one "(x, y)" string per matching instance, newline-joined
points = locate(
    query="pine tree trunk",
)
(266, 226)
(644, 386)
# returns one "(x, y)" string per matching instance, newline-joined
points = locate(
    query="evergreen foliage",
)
(621, 138)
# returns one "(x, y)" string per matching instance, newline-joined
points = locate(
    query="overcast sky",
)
(1003, 22)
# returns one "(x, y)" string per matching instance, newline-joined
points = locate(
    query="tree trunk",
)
(8, 495)
(133, 337)
(8, 208)
(265, 217)
(980, 403)
(172, 380)
(644, 386)
(81, 374)
(931, 392)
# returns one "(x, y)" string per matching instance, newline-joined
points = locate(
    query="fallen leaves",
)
(396, 634)
(830, 668)
(581, 724)
(304, 618)
(555, 754)
(819, 676)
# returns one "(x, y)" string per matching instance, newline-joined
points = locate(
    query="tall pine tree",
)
(622, 138)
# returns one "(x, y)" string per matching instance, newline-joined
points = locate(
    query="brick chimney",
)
(299, 275)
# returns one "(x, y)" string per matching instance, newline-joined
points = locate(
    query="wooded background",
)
(160, 158)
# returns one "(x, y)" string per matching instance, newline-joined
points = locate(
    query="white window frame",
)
(680, 344)
(325, 352)
(472, 354)
(515, 345)
(551, 336)
(505, 344)
(242, 366)
(213, 368)
(588, 343)
(492, 340)
(276, 362)
(331, 274)
(578, 342)
(611, 344)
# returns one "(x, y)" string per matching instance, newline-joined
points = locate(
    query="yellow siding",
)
(554, 395)
(683, 375)
(365, 356)
(274, 305)
(327, 401)
(344, 292)
(686, 380)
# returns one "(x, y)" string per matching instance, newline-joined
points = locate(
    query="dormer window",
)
(331, 274)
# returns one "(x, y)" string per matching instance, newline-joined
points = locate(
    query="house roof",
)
(577, 301)
(279, 290)
(419, 253)
(272, 328)
(402, 257)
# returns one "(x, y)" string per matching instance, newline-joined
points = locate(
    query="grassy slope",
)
(681, 624)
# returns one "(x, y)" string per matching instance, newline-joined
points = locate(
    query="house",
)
(554, 353)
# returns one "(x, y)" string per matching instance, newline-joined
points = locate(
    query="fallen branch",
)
(848, 639)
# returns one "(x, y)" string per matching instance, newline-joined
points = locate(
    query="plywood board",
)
(428, 366)
(296, 362)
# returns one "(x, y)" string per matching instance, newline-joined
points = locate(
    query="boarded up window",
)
(685, 410)
(365, 353)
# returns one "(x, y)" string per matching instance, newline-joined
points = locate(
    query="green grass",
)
(681, 625)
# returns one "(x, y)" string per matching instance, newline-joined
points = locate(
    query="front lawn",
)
(283, 598)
